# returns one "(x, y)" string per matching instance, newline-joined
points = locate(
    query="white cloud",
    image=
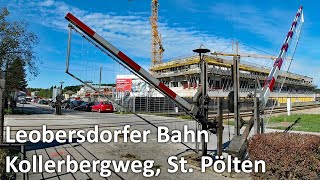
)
(131, 32)
(270, 25)
(47, 3)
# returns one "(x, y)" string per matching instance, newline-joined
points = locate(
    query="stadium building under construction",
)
(183, 77)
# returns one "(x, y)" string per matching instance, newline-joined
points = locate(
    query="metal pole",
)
(262, 122)
(100, 76)
(61, 83)
(197, 143)
(256, 114)
(220, 127)
(2, 104)
(236, 95)
(204, 94)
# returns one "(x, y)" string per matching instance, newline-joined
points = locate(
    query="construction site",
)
(216, 110)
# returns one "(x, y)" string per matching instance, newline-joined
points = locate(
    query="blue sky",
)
(184, 25)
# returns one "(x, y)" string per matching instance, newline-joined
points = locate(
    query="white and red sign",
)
(124, 85)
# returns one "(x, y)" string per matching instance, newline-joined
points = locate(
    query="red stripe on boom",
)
(271, 84)
(129, 61)
(167, 90)
(278, 63)
(294, 23)
(80, 24)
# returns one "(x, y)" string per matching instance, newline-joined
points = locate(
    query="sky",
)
(259, 27)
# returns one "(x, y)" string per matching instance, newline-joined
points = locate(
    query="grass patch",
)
(8, 111)
(308, 122)
(231, 122)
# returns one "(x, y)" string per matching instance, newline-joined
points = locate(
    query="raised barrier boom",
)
(273, 75)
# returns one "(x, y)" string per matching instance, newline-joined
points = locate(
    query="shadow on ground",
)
(41, 145)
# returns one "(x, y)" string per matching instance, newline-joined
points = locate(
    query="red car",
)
(102, 107)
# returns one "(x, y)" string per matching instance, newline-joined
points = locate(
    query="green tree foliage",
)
(17, 56)
(72, 88)
(43, 93)
(16, 76)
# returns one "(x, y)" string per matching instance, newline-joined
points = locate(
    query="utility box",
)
(55, 93)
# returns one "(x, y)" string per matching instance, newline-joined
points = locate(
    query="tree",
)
(16, 76)
(72, 88)
(17, 56)
(43, 93)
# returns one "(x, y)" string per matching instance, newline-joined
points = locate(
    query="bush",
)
(287, 155)
(3, 154)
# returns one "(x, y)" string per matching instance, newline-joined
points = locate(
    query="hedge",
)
(287, 155)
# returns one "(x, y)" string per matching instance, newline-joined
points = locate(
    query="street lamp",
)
(204, 79)
(61, 83)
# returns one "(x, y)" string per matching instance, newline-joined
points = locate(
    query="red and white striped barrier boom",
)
(130, 63)
(271, 79)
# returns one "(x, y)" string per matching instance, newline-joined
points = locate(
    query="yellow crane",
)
(156, 44)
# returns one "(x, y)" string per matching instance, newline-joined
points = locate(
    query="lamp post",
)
(61, 83)
(204, 92)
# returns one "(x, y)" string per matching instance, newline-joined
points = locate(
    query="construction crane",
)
(244, 54)
(156, 44)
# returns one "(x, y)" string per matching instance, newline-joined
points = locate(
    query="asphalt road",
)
(35, 115)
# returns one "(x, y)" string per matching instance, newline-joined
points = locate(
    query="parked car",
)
(43, 101)
(28, 99)
(65, 104)
(22, 101)
(103, 106)
(85, 106)
(75, 103)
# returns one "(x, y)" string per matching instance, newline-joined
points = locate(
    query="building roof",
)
(219, 61)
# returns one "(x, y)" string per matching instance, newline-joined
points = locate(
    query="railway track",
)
(276, 110)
